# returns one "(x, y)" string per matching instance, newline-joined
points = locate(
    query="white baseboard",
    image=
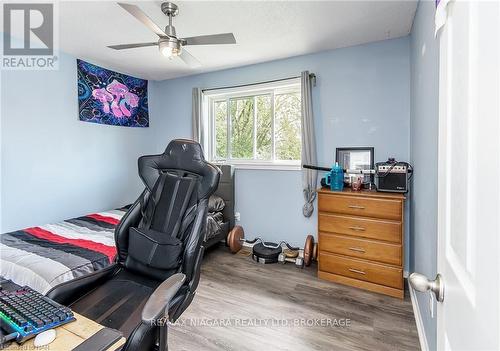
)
(424, 346)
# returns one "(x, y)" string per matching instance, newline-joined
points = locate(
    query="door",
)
(469, 176)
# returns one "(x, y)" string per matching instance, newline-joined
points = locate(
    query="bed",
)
(48, 255)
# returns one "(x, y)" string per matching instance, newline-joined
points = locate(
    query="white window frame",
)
(212, 96)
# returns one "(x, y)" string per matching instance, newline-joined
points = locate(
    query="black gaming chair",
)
(159, 237)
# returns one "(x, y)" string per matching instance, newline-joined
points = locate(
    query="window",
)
(255, 125)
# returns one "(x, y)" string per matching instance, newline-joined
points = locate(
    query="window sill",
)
(264, 167)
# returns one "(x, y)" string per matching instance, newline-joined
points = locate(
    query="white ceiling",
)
(264, 30)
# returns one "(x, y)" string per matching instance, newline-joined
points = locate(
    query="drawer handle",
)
(357, 249)
(357, 207)
(356, 271)
(359, 229)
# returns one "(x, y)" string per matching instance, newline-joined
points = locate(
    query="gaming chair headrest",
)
(184, 155)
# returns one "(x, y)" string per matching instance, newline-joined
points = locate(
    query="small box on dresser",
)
(360, 239)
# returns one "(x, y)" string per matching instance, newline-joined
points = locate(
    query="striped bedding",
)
(45, 256)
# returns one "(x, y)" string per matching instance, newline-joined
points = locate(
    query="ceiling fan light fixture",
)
(170, 47)
(169, 44)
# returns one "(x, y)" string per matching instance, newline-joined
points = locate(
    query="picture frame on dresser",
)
(359, 158)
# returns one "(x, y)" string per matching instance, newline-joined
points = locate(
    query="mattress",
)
(45, 256)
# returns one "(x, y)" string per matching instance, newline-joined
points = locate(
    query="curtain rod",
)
(311, 75)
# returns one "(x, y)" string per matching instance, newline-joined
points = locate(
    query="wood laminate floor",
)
(236, 297)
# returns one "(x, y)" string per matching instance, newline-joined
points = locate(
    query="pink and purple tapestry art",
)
(108, 97)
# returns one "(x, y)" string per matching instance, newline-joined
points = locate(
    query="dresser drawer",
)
(362, 270)
(360, 206)
(361, 248)
(363, 227)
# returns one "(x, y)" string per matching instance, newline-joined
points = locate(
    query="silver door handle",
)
(421, 283)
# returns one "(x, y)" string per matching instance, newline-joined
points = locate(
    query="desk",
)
(68, 337)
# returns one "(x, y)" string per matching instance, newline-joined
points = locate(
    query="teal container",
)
(336, 178)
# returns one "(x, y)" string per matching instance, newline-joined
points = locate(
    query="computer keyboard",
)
(27, 312)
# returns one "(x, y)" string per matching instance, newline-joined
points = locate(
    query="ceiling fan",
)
(168, 43)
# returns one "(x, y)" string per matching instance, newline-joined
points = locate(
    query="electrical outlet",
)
(237, 216)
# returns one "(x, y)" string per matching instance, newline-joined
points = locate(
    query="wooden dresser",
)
(360, 236)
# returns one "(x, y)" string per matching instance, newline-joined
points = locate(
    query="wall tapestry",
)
(108, 97)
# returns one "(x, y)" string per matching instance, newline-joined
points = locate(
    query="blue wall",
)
(424, 153)
(362, 98)
(52, 165)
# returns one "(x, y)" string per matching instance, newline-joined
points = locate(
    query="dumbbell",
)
(292, 257)
(301, 257)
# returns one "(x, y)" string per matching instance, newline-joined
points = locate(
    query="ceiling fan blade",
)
(189, 59)
(141, 16)
(131, 46)
(214, 39)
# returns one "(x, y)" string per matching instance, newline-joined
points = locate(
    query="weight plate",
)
(290, 253)
(264, 260)
(315, 252)
(308, 250)
(234, 239)
(261, 251)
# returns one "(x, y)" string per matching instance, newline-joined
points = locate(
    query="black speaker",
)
(392, 178)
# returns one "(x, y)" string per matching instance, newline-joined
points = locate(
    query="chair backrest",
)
(173, 209)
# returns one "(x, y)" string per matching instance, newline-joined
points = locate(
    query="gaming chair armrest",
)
(158, 303)
(154, 318)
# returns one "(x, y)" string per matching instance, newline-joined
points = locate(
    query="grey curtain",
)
(309, 176)
(196, 116)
